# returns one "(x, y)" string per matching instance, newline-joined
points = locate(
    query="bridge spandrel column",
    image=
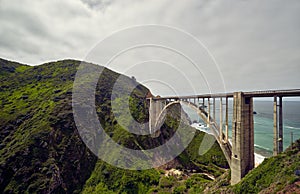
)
(242, 159)
(221, 121)
(208, 112)
(226, 122)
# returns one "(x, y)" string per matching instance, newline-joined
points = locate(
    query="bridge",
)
(239, 154)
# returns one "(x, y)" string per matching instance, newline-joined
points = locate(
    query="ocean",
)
(263, 123)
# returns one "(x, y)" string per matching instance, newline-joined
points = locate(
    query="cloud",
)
(96, 4)
(256, 43)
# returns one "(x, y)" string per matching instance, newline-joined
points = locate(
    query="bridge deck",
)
(265, 93)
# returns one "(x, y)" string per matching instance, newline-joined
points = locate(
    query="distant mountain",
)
(42, 152)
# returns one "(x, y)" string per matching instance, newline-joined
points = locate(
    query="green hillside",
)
(42, 152)
(279, 174)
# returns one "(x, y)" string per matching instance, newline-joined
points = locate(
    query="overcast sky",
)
(246, 45)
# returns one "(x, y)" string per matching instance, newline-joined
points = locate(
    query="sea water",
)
(263, 123)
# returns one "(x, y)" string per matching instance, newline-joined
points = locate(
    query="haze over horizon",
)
(255, 44)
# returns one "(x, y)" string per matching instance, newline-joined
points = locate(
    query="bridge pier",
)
(278, 127)
(242, 159)
(280, 133)
(275, 130)
(155, 108)
(226, 122)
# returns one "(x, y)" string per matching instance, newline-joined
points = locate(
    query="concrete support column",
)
(242, 159)
(208, 112)
(156, 106)
(280, 127)
(226, 122)
(221, 120)
(214, 109)
(275, 129)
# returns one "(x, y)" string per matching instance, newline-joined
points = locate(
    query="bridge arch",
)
(161, 116)
(225, 146)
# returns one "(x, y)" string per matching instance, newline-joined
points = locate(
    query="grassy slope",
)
(42, 152)
(37, 131)
(111, 179)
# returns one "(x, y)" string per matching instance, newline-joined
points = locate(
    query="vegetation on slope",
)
(192, 180)
(40, 149)
(42, 152)
(279, 174)
(274, 174)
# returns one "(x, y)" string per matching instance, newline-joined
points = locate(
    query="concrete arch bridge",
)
(239, 154)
